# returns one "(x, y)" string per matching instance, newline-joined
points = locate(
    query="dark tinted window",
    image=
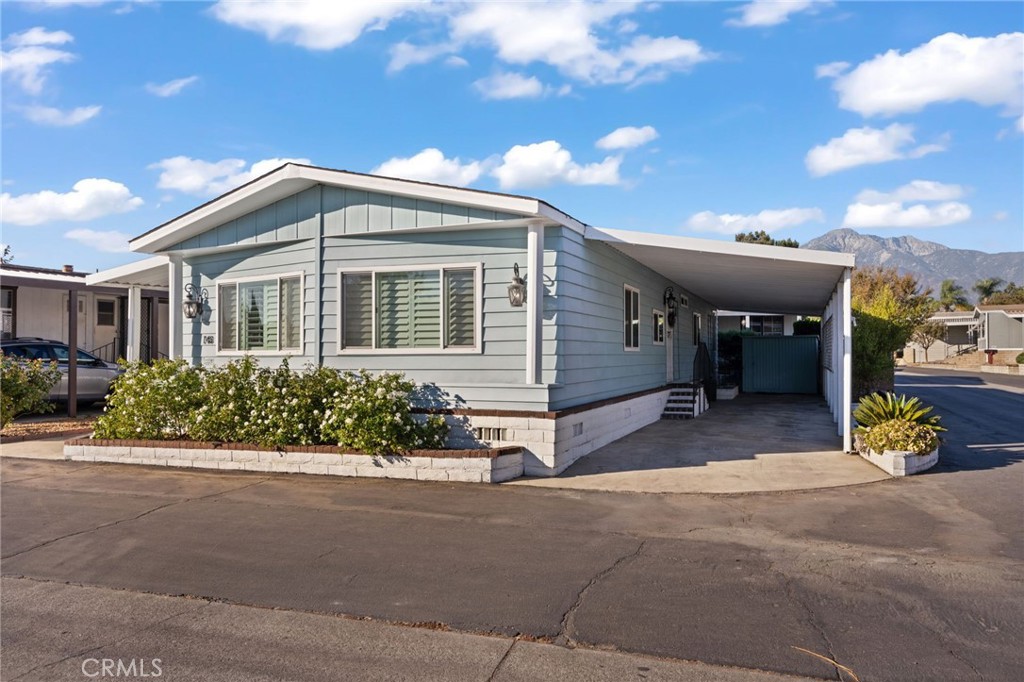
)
(28, 351)
(62, 354)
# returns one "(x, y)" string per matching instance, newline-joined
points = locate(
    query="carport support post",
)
(534, 299)
(72, 353)
(133, 352)
(847, 382)
(174, 313)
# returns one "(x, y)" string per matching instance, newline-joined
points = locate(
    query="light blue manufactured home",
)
(543, 331)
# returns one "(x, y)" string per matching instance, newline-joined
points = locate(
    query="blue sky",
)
(694, 118)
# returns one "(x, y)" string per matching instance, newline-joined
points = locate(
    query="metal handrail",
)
(704, 371)
(107, 352)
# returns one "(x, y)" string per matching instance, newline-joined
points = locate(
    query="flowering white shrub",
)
(156, 401)
(242, 402)
(25, 386)
(373, 415)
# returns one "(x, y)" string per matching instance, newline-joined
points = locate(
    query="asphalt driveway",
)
(913, 579)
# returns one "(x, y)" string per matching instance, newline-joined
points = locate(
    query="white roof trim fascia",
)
(564, 219)
(114, 276)
(715, 246)
(303, 177)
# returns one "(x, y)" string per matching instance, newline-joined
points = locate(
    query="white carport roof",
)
(737, 276)
(149, 273)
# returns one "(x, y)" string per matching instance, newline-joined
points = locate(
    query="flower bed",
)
(471, 466)
(897, 434)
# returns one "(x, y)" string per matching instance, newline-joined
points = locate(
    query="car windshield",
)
(62, 354)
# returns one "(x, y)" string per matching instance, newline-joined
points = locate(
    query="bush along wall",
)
(243, 402)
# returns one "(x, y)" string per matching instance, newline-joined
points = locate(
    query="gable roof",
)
(292, 178)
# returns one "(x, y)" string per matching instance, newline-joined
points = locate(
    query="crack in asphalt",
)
(118, 522)
(501, 662)
(565, 634)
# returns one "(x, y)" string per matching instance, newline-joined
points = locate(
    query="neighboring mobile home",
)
(357, 271)
(34, 303)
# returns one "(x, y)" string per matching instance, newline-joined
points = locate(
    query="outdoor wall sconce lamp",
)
(195, 299)
(671, 305)
(516, 290)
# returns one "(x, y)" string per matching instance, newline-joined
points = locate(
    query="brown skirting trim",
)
(489, 453)
(470, 412)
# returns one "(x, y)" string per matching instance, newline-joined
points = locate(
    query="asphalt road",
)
(913, 579)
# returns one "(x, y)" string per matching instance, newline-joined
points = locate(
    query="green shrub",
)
(1020, 358)
(243, 402)
(902, 435)
(374, 415)
(157, 402)
(25, 386)
(878, 408)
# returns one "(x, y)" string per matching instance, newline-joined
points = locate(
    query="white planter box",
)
(727, 393)
(897, 463)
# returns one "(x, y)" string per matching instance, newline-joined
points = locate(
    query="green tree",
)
(7, 257)
(1010, 295)
(887, 308)
(762, 237)
(986, 287)
(952, 296)
(927, 333)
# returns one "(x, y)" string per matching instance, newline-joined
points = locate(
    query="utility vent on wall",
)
(577, 429)
(489, 433)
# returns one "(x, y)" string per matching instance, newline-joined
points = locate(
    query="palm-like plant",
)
(877, 408)
(986, 287)
(952, 296)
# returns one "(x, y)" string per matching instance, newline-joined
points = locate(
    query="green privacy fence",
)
(780, 364)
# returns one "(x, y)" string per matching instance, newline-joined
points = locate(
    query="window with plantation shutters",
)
(357, 310)
(630, 317)
(428, 309)
(460, 308)
(261, 315)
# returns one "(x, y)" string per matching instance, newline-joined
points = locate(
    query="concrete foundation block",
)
(256, 466)
(326, 458)
(466, 476)
(73, 451)
(431, 475)
(341, 470)
(226, 466)
(245, 456)
(401, 472)
(312, 468)
(371, 472)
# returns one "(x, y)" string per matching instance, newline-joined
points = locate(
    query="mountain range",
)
(930, 262)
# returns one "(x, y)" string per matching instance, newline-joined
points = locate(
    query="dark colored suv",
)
(94, 375)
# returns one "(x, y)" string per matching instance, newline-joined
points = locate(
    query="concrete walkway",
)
(754, 443)
(44, 448)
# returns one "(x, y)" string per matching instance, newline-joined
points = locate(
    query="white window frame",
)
(654, 335)
(625, 340)
(217, 283)
(441, 268)
(698, 330)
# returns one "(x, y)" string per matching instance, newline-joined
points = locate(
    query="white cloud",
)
(88, 199)
(204, 178)
(948, 68)
(772, 12)
(314, 24)
(545, 163)
(405, 54)
(1020, 124)
(172, 87)
(430, 165)
(860, 146)
(509, 86)
(627, 137)
(31, 54)
(50, 116)
(768, 220)
(830, 70)
(894, 214)
(455, 61)
(108, 241)
(1000, 215)
(915, 190)
(874, 209)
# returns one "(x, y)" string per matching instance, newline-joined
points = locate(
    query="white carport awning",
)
(149, 273)
(737, 276)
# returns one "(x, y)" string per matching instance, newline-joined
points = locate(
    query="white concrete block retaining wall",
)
(470, 466)
(550, 445)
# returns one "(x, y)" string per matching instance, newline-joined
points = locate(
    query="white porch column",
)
(534, 299)
(134, 350)
(847, 380)
(174, 314)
